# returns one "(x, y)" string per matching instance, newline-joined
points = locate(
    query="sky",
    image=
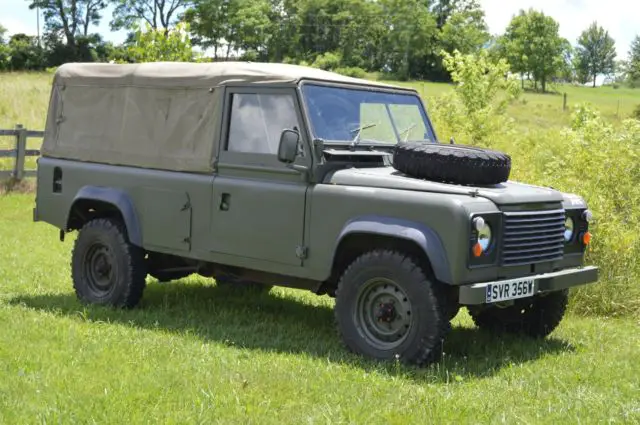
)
(620, 17)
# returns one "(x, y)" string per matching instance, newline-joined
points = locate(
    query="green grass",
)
(196, 353)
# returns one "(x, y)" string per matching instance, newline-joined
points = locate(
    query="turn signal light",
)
(477, 249)
(586, 238)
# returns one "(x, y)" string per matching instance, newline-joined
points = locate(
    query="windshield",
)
(365, 116)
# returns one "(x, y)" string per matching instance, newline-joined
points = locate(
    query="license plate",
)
(510, 290)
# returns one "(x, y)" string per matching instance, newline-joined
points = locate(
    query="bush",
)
(636, 112)
(598, 162)
(328, 61)
(477, 106)
(154, 45)
(351, 71)
(590, 158)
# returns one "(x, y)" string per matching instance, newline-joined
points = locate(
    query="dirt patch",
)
(17, 186)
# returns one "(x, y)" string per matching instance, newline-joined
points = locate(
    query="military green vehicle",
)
(260, 174)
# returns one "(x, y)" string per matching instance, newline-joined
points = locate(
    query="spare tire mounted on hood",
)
(458, 164)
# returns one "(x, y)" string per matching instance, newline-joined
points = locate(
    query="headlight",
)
(483, 241)
(484, 237)
(568, 229)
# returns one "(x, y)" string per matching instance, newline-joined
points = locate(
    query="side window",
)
(257, 120)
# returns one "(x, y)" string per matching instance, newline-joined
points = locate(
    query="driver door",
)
(259, 203)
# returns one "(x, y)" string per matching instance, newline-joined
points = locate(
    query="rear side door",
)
(258, 202)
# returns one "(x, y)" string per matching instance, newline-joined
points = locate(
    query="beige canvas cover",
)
(162, 115)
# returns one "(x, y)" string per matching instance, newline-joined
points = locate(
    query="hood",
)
(507, 193)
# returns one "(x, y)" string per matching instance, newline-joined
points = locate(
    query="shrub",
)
(477, 107)
(328, 61)
(154, 45)
(636, 112)
(351, 71)
(598, 162)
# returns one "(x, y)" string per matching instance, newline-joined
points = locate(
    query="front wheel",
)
(536, 316)
(106, 269)
(386, 308)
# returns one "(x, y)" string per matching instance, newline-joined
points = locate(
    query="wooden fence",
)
(20, 152)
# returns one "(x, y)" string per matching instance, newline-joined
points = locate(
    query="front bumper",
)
(545, 282)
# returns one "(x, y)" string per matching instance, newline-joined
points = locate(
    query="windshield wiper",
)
(407, 130)
(356, 139)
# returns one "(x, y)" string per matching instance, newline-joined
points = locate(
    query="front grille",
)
(532, 237)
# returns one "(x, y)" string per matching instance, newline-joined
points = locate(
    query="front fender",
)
(425, 237)
(120, 200)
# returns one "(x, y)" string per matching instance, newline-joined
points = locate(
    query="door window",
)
(258, 119)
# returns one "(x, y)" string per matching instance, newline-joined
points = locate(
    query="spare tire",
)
(459, 164)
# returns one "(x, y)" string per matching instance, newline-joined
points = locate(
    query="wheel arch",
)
(93, 202)
(374, 230)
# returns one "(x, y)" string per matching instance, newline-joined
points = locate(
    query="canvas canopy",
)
(162, 115)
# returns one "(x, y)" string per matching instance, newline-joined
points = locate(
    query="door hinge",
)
(301, 252)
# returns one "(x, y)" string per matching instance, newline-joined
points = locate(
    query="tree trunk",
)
(594, 79)
(543, 83)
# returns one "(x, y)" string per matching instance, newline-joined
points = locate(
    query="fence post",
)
(21, 147)
(564, 102)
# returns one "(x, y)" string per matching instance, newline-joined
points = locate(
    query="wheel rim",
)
(383, 313)
(99, 268)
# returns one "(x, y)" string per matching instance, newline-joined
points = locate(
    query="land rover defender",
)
(270, 174)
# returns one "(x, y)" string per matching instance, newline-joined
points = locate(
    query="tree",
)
(411, 37)
(481, 95)
(25, 53)
(249, 26)
(596, 51)
(159, 14)
(151, 45)
(234, 24)
(532, 45)
(4, 50)
(465, 31)
(633, 64)
(69, 18)
(208, 22)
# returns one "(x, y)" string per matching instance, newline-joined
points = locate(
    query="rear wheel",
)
(536, 316)
(106, 269)
(386, 308)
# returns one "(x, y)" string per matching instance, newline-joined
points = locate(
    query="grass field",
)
(197, 353)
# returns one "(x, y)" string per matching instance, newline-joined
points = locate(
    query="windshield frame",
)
(363, 87)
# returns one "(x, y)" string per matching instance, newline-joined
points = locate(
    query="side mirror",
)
(288, 147)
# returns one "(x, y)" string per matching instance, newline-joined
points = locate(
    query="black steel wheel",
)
(388, 307)
(100, 269)
(106, 269)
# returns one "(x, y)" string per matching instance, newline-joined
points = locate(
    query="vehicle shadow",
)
(247, 319)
